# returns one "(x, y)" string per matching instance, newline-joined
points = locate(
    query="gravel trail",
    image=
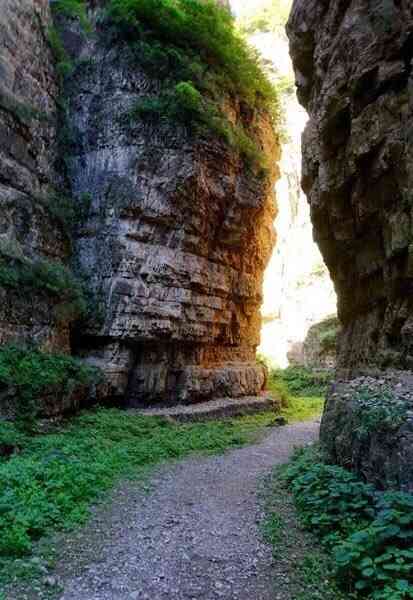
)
(194, 536)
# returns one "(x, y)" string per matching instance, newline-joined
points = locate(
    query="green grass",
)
(303, 408)
(300, 381)
(51, 483)
(297, 407)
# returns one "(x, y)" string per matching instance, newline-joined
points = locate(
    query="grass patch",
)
(367, 533)
(300, 381)
(302, 407)
(51, 483)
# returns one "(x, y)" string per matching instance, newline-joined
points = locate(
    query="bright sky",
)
(241, 7)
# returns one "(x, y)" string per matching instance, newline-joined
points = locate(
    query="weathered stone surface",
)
(362, 438)
(28, 92)
(176, 241)
(319, 349)
(218, 409)
(353, 65)
(353, 71)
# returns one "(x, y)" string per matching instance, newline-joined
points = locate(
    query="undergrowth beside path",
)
(364, 535)
(49, 481)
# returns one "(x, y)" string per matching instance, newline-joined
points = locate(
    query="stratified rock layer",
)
(353, 71)
(176, 241)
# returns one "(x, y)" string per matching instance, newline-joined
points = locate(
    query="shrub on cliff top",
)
(205, 29)
(193, 47)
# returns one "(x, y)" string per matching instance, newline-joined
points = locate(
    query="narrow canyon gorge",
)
(140, 248)
(206, 318)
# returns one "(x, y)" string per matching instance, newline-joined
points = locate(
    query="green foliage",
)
(369, 533)
(196, 52)
(378, 410)
(64, 65)
(56, 476)
(11, 438)
(305, 408)
(303, 382)
(186, 105)
(67, 210)
(301, 402)
(208, 31)
(30, 373)
(44, 277)
(75, 9)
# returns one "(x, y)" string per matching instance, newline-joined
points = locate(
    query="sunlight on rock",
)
(298, 292)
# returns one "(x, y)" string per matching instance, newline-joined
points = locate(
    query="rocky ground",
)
(368, 426)
(195, 534)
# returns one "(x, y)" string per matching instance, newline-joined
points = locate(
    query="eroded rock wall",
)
(353, 71)
(28, 121)
(176, 239)
(353, 65)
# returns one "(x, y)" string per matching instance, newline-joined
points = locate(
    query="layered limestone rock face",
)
(353, 66)
(353, 71)
(28, 231)
(176, 241)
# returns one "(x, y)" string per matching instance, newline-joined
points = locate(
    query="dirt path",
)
(194, 536)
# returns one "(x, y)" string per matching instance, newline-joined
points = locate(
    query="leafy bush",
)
(30, 373)
(73, 8)
(44, 277)
(303, 382)
(369, 533)
(208, 31)
(378, 410)
(194, 48)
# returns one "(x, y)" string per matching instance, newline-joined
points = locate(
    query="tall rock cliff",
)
(353, 71)
(353, 66)
(175, 234)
